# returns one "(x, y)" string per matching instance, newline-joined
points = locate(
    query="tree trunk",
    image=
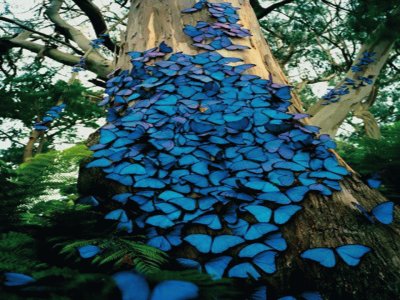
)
(324, 221)
(330, 117)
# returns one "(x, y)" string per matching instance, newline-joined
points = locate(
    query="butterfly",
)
(216, 267)
(135, 286)
(167, 241)
(17, 279)
(206, 244)
(382, 212)
(351, 254)
(88, 251)
(305, 295)
(281, 215)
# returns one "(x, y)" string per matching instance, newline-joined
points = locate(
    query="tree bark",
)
(324, 221)
(330, 117)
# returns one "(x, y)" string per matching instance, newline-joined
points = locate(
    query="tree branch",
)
(68, 30)
(11, 138)
(49, 37)
(101, 67)
(96, 18)
(261, 12)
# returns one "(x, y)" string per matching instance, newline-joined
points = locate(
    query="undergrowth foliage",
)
(47, 234)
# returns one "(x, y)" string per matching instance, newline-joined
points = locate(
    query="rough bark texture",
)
(324, 222)
(330, 117)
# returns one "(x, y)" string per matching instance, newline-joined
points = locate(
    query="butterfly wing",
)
(260, 213)
(201, 242)
(17, 279)
(175, 290)
(384, 212)
(224, 242)
(276, 241)
(260, 293)
(189, 263)
(324, 256)
(352, 254)
(283, 213)
(258, 230)
(88, 251)
(266, 261)
(132, 286)
(243, 270)
(253, 249)
(212, 221)
(216, 267)
(159, 221)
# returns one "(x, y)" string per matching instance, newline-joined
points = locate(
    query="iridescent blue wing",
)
(224, 242)
(276, 241)
(161, 221)
(160, 242)
(266, 261)
(259, 293)
(175, 290)
(243, 270)
(259, 230)
(189, 263)
(264, 186)
(99, 163)
(88, 251)
(374, 183)
(260, 213)
(122, 198)
(133, 169)
(118, 215)
(132, 286)
(201, 242)
(284, 213)
(297, 193)
(216, 267)
(324, 256)
(352, 254)
(89, 200)
(253, 249)
(212, 221)
(150, 183)
(17, 279)
(384, 212)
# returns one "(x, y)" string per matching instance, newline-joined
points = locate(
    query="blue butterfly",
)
(134, 286)
(88, 251)
(205, 243)
(211, 220)
(305, 295)
(351, 254)
(17, 279)
(244, 270)
(89, 200)
(217, 266)
(161, 221)
(253, 249)
(99, 163)
(189, 263)
(284, 213)
(260, 293)
(167, 241)
(382, 212)
(266, 261)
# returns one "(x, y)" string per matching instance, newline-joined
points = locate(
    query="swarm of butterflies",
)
(212, 160)
(334, 95)
(50, 115)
